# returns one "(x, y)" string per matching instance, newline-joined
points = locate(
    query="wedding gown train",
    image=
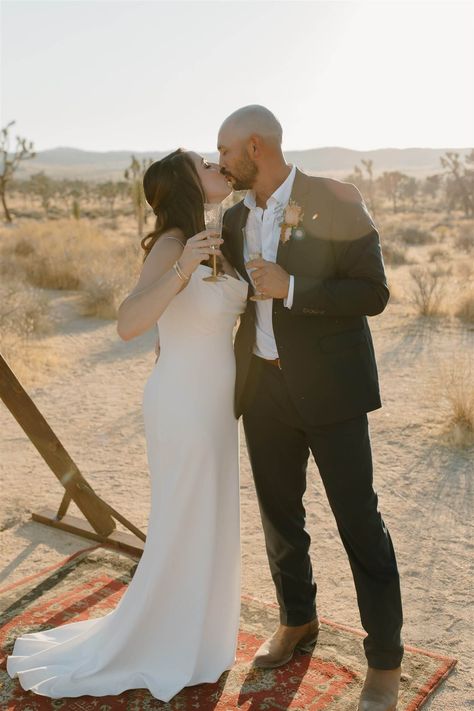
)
(177, 623)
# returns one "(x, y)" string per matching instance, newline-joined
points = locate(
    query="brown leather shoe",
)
(380, 690)
(279, 649)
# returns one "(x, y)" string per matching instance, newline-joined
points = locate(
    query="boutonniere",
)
(292, 218)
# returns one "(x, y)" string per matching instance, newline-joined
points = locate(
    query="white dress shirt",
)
(266, 222)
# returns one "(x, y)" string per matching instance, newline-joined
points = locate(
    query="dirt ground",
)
(425, 487)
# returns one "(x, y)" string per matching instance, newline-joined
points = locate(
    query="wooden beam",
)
(50, 448)
(72, 524)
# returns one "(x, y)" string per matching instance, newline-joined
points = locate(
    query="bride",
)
(177, 623)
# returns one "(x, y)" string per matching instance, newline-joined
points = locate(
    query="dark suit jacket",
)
(323, 341)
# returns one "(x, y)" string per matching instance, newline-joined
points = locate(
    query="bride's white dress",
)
(177, 623)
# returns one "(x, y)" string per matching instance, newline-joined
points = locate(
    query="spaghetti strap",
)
(175, 238)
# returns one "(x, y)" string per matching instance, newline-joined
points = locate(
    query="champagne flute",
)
(254, 248)
(213, 214)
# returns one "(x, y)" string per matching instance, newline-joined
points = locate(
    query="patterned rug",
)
(90, 583)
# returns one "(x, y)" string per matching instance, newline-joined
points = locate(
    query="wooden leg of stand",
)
(64, 505)
(100, 515)
(73, 524)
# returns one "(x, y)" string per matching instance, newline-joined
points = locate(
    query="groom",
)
(306, 378)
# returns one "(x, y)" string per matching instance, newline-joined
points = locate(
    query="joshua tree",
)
(431, 185)
(409, 189)
(109, 191)
(73, 192)
(391, 182)
(365, 184)
(369, 167)
(79, 192)
(134, 175)
(460, 180)
(44, 187)
(76, 209)
(9, 162)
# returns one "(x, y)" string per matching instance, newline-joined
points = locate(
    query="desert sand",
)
(92, 399)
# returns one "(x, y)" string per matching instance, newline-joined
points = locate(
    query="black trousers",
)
(279, 443)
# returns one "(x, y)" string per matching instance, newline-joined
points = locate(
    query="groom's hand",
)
(269, 278)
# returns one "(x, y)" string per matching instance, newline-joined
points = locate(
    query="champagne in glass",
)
(213, 214)
(254, 247)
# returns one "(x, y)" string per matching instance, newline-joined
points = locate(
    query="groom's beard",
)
(244, 173)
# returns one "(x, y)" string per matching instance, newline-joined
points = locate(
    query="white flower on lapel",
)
(292, 217)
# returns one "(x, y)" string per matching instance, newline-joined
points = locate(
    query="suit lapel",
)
(237, 241)
(299, 194)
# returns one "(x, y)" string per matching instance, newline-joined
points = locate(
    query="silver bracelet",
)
(180, 272)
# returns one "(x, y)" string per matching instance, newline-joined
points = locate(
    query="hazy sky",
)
(152, 75)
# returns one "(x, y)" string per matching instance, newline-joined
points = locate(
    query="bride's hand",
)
(197, 249)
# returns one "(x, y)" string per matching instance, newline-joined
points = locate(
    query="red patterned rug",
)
(90, 583)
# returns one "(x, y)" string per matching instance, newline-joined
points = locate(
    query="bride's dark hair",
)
(174, 191)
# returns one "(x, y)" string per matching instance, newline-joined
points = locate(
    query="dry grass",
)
(418, 229)
(46, 254)
(34, 361)
(73, 255)
(459, 392)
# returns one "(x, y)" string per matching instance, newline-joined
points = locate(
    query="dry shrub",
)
(23, 248)
(106, 283)
(443, 231)
(464, 269)
(24, 320)
(47, 254)
(465, 310)
(23, 311)
(53, 271)
(414, 236)
(393, 254)
(459, 393)
(442, 270)
(102, 296)
(438, 253)
(426, 291)
(465, 237)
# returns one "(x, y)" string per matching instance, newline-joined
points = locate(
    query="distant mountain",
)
(66, 162)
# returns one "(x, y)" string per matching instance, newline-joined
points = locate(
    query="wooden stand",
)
(100, 524)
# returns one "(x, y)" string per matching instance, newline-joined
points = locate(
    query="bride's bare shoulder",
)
(174, 233)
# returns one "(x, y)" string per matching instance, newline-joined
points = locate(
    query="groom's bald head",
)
(249, 145)
(253, 120)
